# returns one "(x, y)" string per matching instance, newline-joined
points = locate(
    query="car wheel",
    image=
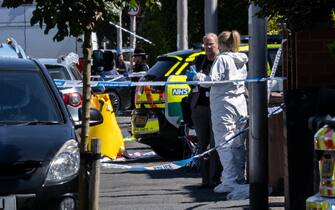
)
(115, 100)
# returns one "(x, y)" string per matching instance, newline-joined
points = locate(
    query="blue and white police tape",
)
(77, 83)
(182, 163)
(173, 165)
(168, 166)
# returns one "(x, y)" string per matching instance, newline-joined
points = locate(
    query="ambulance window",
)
(159, 69)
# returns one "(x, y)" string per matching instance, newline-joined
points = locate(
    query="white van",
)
(16, 23)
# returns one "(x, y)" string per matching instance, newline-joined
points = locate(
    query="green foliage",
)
(73, 17)
(233, 15)
(298, 14)
(273, 26)
(159, 25)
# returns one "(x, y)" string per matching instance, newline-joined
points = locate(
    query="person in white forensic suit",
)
(229, 110)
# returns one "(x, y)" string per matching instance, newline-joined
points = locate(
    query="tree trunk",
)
(85, 118)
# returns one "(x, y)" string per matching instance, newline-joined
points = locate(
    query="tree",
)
(274, 25)
(74, 18)
(159, 25)
(298, 14)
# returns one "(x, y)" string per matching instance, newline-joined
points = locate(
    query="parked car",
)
(121, 97)
(157, 117)
(39, 153)
(66, 70)
(11, 49)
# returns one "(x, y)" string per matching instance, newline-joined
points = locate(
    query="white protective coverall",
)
(229, 113)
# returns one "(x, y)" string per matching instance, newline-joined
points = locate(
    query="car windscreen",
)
(26, 97)
(159, 69)
(58, 72)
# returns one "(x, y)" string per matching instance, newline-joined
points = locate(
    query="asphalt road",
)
(162, 189)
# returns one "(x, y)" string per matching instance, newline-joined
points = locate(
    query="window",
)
(25, 97)
(157, 71)
(58, 72)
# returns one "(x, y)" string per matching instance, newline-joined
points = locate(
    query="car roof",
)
(245, 47)
(51, 61)
(181, 53)
(12, 49)
(11, 63)
(185, 53)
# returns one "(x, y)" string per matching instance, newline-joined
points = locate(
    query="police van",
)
(157, 117)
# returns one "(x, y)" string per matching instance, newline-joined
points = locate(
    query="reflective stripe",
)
(192, 56)
(176, 57)
(324, 139)
(151, 126)
(244, 48)
(171, 69)
(327, 191)
(181, 68)
(273, 45)
(147, 92)
(147, 106)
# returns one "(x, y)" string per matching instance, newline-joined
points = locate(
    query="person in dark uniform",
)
(140, 65)
(140, 60)
(201, 115)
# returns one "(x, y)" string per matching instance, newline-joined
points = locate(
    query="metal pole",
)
(132, 37)
(119, 32)
(211, 16)
(182, 14)
(258, 145)
(132, 29)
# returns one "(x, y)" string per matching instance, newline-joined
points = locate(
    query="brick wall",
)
(314, 66)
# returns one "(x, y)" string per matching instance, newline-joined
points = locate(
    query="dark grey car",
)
(39, 153)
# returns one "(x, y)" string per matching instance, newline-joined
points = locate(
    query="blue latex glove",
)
(190, 73)
(126, 75)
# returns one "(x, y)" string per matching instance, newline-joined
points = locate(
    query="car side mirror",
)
(96, 117)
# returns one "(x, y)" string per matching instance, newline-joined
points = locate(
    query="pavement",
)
(162, 189)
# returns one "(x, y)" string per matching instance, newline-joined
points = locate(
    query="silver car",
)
(60, 69)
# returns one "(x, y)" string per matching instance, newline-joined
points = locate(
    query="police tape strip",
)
(167, 166)
(132, 33)
(173, 165)
(78, 83)
(182, 163)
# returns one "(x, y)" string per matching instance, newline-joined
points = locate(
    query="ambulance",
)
(157, 115)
